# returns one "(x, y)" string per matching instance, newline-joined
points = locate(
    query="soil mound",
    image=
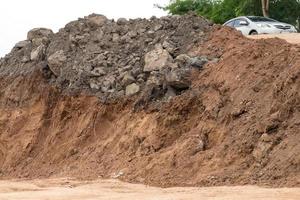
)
(112, 59)
(233, 120)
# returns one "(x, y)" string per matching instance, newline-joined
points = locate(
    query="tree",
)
(265, 7)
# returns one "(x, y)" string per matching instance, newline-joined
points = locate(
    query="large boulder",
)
(39, 33)
(158, 59)
(56, 61)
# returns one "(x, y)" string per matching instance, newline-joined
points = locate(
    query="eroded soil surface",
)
(65, 189)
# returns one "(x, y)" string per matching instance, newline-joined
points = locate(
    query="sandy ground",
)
(289, 37)
(65, 189)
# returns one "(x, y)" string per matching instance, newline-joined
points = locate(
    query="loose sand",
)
(65, 189)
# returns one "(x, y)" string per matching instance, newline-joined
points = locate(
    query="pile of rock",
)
(114, 58)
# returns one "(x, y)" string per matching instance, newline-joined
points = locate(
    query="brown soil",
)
(65, 189)
(238, 124)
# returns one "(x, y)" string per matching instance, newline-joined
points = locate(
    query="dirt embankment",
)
(233, 121)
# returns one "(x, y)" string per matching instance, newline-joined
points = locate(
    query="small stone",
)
(158, 27)
(132, 89)
(115, 37)
(94, 86)
(25, 59)
(99, 71)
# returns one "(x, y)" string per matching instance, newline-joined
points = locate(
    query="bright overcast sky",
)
(17, 17)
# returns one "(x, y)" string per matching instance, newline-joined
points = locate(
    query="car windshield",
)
(261, 19)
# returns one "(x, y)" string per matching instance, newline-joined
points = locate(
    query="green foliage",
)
(222, 10)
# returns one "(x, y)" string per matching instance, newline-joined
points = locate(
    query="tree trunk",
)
(265, 7)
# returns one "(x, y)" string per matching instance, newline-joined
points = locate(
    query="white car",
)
(253, 25)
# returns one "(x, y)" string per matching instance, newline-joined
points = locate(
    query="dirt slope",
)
(236, 123)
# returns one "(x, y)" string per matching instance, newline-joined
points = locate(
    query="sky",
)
(17, 17)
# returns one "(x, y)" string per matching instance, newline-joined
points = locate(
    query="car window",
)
(237, 22)
(230, 24)
(261, 19)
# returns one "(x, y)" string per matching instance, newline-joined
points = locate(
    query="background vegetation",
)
(220, 11)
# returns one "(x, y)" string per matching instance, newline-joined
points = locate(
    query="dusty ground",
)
(289, 37)
(64, 189)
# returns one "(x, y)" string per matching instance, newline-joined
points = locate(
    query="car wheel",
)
(253, 33)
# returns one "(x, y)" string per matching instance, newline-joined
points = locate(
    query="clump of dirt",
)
(232, 121)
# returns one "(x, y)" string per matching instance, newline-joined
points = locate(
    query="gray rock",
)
(169, 47)
(158, 59)
(40, 41)
(96, 20)
(38, 53)
(158, 27)
(39, 33)
(122, 21)
(115, 37)
(198, 62)
(179, 78)
(108, 83)
(155, 78)
(94, 86)
(132, 89)
(25, 59)
(98, 71)
(56, 61)
(171, 92)
(128, 79)
(22, 44)
(183, 60)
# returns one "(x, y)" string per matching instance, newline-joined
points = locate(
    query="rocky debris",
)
(106, 58)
